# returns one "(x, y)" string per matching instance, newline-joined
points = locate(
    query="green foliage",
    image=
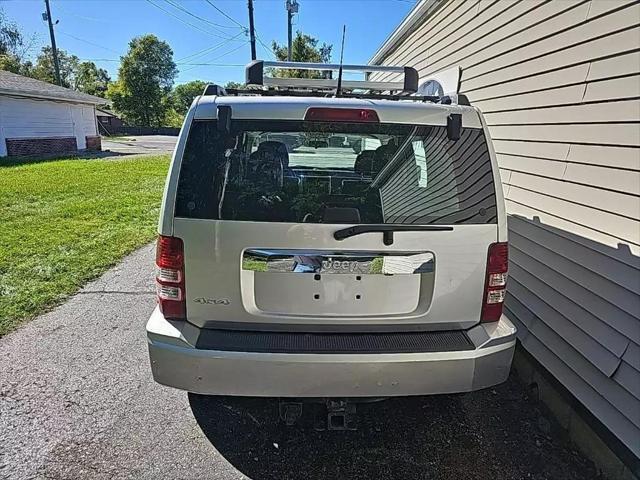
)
(183, 95)
(11, 39)
(13, 47)
(66, 221)
(91, 79)
(44, 67)
(304, 48)
(81, 76)
(235, 85)
(145, 78)
(11, 63)
(173, 118)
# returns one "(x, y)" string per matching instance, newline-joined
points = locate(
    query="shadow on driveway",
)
(492, 434)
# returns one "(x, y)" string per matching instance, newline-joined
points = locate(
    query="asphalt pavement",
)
(77, 401)
(137, 144)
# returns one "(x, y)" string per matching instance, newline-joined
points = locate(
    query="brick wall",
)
(37, 146)
(94, 143)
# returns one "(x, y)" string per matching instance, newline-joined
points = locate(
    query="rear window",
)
(318, 172)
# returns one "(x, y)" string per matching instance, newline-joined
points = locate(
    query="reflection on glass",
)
(324, 172)
(323, 262)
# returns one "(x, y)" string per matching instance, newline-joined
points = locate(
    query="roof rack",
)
(261, 85)
(272, 92)
(255, 75)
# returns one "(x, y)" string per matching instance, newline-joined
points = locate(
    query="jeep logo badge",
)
(350, 266)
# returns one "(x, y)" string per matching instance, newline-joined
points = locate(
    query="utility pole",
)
(252, 32)
(54, 50)
(292, 8)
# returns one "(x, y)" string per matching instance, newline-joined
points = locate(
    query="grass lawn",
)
(64, 222)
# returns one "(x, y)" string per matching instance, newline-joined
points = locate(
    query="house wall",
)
(42, 122)
(559, 85)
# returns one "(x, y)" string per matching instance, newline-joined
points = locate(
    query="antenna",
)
(339, 89)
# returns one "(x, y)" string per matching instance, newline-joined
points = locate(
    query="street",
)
(77, 401)
(135, 144)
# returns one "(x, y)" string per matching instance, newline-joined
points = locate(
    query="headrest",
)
(382, 155)
(364, 161)
(278, 149)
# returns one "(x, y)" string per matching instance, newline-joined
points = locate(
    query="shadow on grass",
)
(28, 160)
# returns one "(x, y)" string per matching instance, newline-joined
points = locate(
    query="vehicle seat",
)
(266, 165)
(276, 148)
(364, 162)
(381, 157)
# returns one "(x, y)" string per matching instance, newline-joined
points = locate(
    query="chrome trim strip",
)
(341, 262)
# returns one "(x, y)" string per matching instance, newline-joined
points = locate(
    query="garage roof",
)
(19, 86)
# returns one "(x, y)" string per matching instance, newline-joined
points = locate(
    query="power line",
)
(266, 48)
(88, 42)
(184, 21)
(181, 8)
(209, 49)
(213, 59)
(186, 63)
(223, 13)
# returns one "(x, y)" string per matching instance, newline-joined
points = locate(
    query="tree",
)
(44, 68)
(235, 85)
(90, 79)
(304, 48)
(183, 95)
(10, 37)
(13, 47)
(145, 78)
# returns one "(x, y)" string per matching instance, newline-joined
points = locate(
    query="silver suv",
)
(320, 246)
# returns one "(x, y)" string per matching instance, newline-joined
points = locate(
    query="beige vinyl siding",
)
(559, 85)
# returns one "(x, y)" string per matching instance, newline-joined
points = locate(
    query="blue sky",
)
(99, 30)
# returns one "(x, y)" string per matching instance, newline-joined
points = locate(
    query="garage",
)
(38, 118)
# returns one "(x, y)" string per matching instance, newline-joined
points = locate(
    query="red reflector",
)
(495, 282)
(358, 115)
(172, 309)
(170, 277)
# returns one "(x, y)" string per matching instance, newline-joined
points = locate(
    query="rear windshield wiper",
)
(387, 230)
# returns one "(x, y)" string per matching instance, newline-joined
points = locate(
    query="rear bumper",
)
(177, 363)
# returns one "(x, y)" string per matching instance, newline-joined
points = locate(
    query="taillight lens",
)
(170, 277)
(496, 282)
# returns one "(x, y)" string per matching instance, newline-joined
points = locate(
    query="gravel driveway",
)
(136, 144)
(77, 402)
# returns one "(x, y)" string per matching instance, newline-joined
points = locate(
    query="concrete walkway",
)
(77, 401)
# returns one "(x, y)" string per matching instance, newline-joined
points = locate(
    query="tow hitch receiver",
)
(340, 413)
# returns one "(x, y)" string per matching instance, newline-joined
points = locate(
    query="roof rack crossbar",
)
(305, 93)
(255, 75)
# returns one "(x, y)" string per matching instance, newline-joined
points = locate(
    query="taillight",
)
(495, 287)
(355, 115)
(170, 277)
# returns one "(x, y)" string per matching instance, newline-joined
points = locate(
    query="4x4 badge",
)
(212, 301)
